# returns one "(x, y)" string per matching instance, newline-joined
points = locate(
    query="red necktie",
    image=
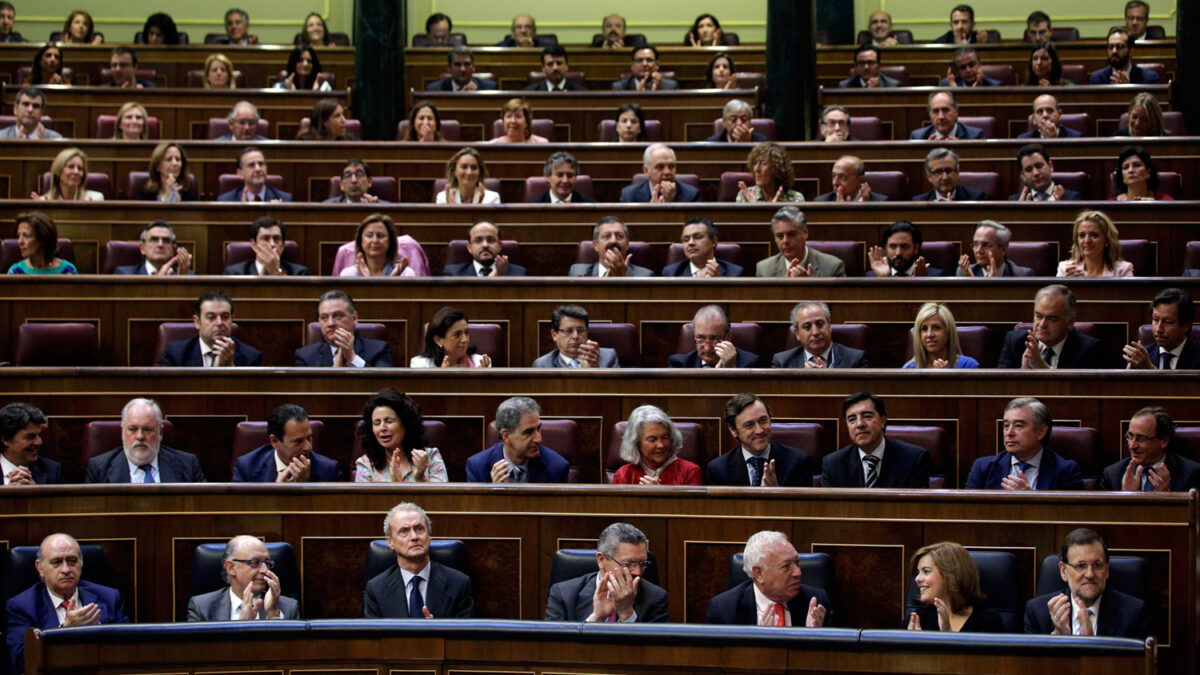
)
(780, 620)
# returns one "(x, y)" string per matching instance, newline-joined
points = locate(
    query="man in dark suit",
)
(237, 29)
(872, 459)
(1083, 565)
(610, 238)
(519, 457)
(700, 240)
(849, 185)
(21, 438)
(967, 71)
(736, 117)
(561, 171)
(1149, 467)
(812, 324)
(941, 170)
(834, 124)
(554, 65)
(962, 28)
(658, 162)
(758, 460)
(142, 458)
(644, 75)
(213, 346)
(1121, 69)
(713, 349)
(1037, 173)
(356, 180)
(1053, 341)
(243, 124)
(8, 19)
(1172, 314)
(160, 255)
(867, 59)
(268, 243)
(618, 591)
(252, 169)
(1046, 120)
(943, 116)
(288, 456)
(613, 36)
(1026, 463)
(484, 245)
(573, 349)
(899, 253)
(524, 34)
(123, 61)
(416, 587)
(253, 592)
(773, 594)
(461, 61)
(61, 598)
(341, 347)
(990, 247)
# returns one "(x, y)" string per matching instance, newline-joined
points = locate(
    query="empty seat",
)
(758, 125)
(727, 191)
(1075, 72)
(562, 436)
(1040, 256)
(727, 252)
(57, 344)
(640, 250)
(985, 122)
(353, 127)
(1143, 254)
(208, 561)
(653, 131)
(542, 126)
(106, 125)
(1064, 34)
(943, 255)
(749, 80)
(692, 449)
(451, 131)
(219, 126)
(892, 184)
(536, 186)
(1081, 444)
(118, 254)
(1155, 33)
(851, 253)
(1000, 71)
(867, 128)
(807, 436)
(622, 337)
(1191, 259)
(744, 336)
(384, 187)
(487, 338)
(1078, 181)
(987, 181)
(937, 442)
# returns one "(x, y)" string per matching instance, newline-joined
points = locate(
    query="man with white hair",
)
(789, 230)
(737, 115)
(658, 162)
(617, 591)
(990, 248)
(773, 594)
(713, 346)
(253, 591)
(416, 587)
(243, 123)
(142, 458)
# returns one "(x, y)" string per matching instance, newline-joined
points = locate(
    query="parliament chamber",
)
(511, 532)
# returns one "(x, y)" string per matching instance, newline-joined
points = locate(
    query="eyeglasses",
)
(255, 564)
(1081, 567)
(354, 174)
(867, 63)
(160, 240)
(701, 339)
(573, 331)
(942, 172)
(1131, 437)
(641, 564)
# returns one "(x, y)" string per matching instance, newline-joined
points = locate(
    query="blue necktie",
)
(1147, 486)
(148, 469)
(756, 470)
(415, 601)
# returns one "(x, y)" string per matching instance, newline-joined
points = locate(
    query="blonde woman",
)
(218, 72)
(68, 173)
(465, 172)
(1095, 249)
(132, 123)
(935, 340)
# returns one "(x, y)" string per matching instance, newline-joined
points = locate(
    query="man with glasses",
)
(835, 125)
(573, 349)
(356, 180)
(1026, 463)
(1086, 607)
(617, 591)
(773, 594)
(866, 70)
(415, 587)
(243, 123)
(253, 591)
(1149, 467)
(941, 170)
(160, 254)
(123, 62)
(713, 346)
(967, 71)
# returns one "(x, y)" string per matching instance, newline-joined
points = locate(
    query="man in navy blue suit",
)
(658, 162)
(699, 240)
(872, 459)
(519, 457)
(415, 587)
(341, 347)
(160, 255)
(1026, 463)
(1172, 314)
(1047, 116)
(967, 71)
(21, 439)
(1037, 175)
(773, 595)
(461, 62)
(142, 458)
(941, 171)
(554, 66)
(713, 349)
(288, 456)
(736, 116)
(268, 243)
(252, 169)
(758, 460)
(123, 62)
(561, 171)
(812, 322)
(1149, 467)
(1121, 69)
(899, 253)
(61, 598)
(1084, 566)
(943, 115)
(213, 346)
(484, 245)
(618, 591)
(1052, 342)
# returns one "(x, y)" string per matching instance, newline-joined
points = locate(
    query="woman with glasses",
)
(651, 449)
(948, 587)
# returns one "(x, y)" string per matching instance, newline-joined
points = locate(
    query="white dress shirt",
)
(766, 609)
(137, 475)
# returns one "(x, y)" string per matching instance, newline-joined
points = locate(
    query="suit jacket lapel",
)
(167, 468)
(266, 467)
(583, 600)
(435, 592)
(1106, 623)
(741, 472)
(747, 608)
(46, 615)
(219, 610)
(118, 469)
(855, 470)
(1047, 472)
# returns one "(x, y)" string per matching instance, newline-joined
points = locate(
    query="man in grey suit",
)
(789, 228)
(416, 587)
(618, 591)
(990, 245)
(867, 59)
(253, 591)
(813, 324)
(569, 330)
(610, 237)
(28, 109)
(142, 458)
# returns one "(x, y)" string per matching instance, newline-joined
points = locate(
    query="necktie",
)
(256, 198)
(573, 363)
(780, 620)
(1039, 196)
(66, 607)
(1024, 468)
(148, 470)
(756, 470)
(1048, 356)
(516, 474)
(485, 271)
(415, 601)
(817, 361)
(872, 469)
(210, 359)
(1165, 360)
(1085, 623)
(1147, 486)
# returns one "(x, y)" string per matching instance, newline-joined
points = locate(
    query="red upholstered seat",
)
(608, 131)
(1040, 256)
(727, 252)
(942, 254)
(107, 124)
(1143, 254)
(892, 184)
(353, 127)
(1064, 34)
(219, 126)
(807, 436)
(640, 250)
(867, 128)
(561, 436)
(370, 331)
(439, 185)
(623, 337)
(487, 338)
(542, 126)
(1187, 442)
(852, 253)
(692, 450)
(248, 436)
(1191, 257)
(728, 188)
(1146, 334)
(749, 80)
(138, 179)
(991, 129)
(174, 331)
(10, 252)
(457, 254)
(57, 344)
(759, 125)
(100, 436)
(384, 187)
(451, 131)
(1081, 444)
(1000, 71)
(1078, 181)
(937, 442)
(119, 253)
(536, 186)
(1075, 72)
(239, 251)
(232, 181)
(744, 336)
(987, 181)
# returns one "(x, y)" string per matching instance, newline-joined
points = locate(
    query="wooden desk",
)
(148, 534)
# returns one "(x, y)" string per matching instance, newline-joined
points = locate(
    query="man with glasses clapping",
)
(253, 591)
(617, 591)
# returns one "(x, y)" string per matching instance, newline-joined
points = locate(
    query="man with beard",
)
(941, 170)
(253, 591)
(142, 458)
(484, 245)
(1121, 69)
(611, 239)
(899, 253)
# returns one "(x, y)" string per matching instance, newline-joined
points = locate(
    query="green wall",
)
(927, 20)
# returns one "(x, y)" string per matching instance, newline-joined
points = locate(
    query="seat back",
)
(623, 337)
(749, 80)
(1186, 442)
(1078, 181)
(933, 439)
(249, 436)
(985, 122)
(100, 182)
(106, 125)
(727, 252)
(542, 126)
(1075, 72)
(57, 344)
(241, 251)
(487, 338)
(867, 128)
(451, 131)
(640, 250)
(369, 331)
(1172, 121)
(449, 552)
(898, 73)
(1127, 574)
(457, 253)
(219, 126)
(851, 253)
(1081, 444)
(817, 569)
(536, 186)
(1143, 254)
(384, 187)
(1000, 71)
(570, 563)
(561, 436)
(1039, 256)
(439, 185)
(759, 125)
(692, 449)
(608, 131)
(891, 184)
(10, 252)
(1191, 256)
(1064, 34)
(1155, 33)
(174, 331)
(100, 436)
(21, 573)
(999, 579)
(728, 189)
(119, 253)
(209, 560)
(810, 437)
(987, 181)
(942, 254)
